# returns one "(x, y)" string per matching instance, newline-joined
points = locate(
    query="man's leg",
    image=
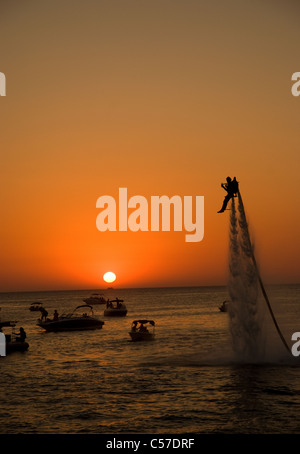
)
(226, 200)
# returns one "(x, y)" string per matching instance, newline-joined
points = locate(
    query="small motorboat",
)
(73, 321)
(14, 342)
(16, 346)
(142, 330)
(95, 298)
(224, 306)
(115, 310)
(35, 307)
(6, 323)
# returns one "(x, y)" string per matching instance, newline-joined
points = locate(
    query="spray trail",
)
(245, 314)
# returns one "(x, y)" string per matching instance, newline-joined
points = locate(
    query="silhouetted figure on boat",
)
(44, 313)
(232, 188)
(21, 335)
(134, 326)
(143, 328)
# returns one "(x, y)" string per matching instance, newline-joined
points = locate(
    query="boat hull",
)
(115, 312)
(94, 299)
(93, 302)
(72, 324)
(136, 336)
(16, 347)
(7, 323)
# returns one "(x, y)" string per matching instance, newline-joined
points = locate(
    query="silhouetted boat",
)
(73, 321)
(117, 310)
(142, 330)
(12, 342)
(224, 306)
(95, 298)
(34, 307)
(16, 346)
(6, 323)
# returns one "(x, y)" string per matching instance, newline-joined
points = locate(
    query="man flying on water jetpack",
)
(232, 188)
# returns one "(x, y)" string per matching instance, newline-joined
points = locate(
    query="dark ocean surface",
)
(188, 380)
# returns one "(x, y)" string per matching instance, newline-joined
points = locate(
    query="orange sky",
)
(161, 97)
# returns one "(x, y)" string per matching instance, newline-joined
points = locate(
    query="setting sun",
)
(109, 277)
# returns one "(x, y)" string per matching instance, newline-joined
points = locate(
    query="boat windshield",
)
(142, 326)
(89, 312)
(143, 322)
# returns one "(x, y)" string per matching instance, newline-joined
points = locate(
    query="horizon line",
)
(131, 288)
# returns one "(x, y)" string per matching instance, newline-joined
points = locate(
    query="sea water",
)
(188, 380)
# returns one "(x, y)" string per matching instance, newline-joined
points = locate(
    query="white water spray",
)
(245, 311)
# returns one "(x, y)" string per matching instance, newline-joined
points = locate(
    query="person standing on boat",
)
(55, 315)
(44, 313)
